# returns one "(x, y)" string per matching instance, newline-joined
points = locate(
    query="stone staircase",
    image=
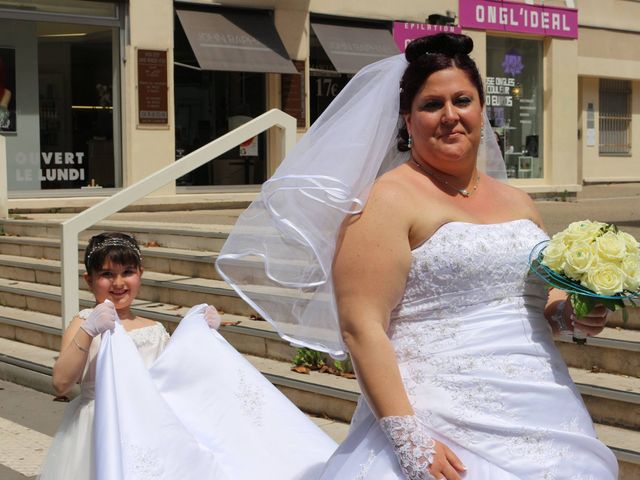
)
(179, 273)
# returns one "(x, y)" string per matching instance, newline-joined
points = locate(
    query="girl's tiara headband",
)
(115, 242)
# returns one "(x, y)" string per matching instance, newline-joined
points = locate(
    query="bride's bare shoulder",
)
(395, 186)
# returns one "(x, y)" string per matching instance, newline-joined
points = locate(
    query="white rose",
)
(630, 242)
(584, 230)
(610, 247)
(553, 256)
(558, 237)
(578, 260)
(631, 267)
(604, 279)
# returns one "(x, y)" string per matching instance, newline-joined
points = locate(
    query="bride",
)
(425, 285)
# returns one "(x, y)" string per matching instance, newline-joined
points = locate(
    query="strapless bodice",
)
(466, 264)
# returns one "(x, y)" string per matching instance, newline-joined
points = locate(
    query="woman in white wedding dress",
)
(426, 286)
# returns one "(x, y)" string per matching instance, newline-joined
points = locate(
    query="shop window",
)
(76, 107)
(514, 103)
(209, 104)
(325, 83)
(67, 7)
(615, 117)
(340, 48)
(64, 130)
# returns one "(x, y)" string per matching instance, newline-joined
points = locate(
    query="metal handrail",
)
(86, 219)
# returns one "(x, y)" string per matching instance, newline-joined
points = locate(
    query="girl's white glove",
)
(102, 318)
(212, 317)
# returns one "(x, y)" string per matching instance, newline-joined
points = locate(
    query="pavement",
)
(28, 421)
(611, 203)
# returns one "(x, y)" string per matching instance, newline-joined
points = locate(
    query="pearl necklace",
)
(462, 191)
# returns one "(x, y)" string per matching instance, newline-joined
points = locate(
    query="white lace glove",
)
(102, 318)
(212, 317)
(411, 444)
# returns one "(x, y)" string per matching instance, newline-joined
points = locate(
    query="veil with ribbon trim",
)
(278, 256)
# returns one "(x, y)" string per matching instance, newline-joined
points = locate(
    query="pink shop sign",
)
(519, 17)
(404, 32)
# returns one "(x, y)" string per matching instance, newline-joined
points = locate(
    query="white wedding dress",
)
(200, 412)
(480, 367)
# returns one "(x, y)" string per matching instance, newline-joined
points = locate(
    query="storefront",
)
(80, 119)
(60, 80)
(515, 75)
(221, 61)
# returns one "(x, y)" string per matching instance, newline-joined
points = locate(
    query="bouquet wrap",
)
(594, 262)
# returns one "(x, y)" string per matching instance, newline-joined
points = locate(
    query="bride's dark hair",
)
(427, 55)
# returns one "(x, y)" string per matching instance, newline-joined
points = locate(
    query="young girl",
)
(113, 272)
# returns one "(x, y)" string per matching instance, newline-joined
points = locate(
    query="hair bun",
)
(449, 44)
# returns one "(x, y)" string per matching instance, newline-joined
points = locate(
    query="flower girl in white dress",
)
(201, 397)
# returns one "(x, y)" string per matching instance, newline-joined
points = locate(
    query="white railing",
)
(73, 226)
(4, 196)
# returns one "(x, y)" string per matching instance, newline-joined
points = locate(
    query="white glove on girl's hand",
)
(102, 318)
(414, 449)
(212, 317)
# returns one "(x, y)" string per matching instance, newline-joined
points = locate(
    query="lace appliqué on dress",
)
(366, 466)
(151, 335)
(250, 398)
(141, 463)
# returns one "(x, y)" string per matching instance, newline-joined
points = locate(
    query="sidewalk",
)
(614, 203)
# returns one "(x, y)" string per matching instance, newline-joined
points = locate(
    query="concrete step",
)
(625, 444)
(318, 394)
(199, 263)
(611, 399)
(614, 350)
(225, 198)
(172, 235)
(156, 288)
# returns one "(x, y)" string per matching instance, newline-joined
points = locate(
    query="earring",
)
(409, 142)
(482, 133)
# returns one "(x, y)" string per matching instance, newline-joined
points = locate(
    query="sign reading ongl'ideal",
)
(509, 16)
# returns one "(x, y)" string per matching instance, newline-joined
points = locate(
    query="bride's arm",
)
(371, 265)
(370, 269)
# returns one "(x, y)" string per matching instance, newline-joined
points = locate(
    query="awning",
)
(351, 48)
(238, 42)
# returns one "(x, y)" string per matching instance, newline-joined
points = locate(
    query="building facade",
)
(95, 95)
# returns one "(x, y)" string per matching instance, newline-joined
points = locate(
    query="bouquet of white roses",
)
(594, 262)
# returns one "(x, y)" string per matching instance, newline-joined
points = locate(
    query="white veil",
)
(278, 256)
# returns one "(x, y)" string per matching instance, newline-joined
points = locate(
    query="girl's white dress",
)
(71, 453)
(480, 367)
